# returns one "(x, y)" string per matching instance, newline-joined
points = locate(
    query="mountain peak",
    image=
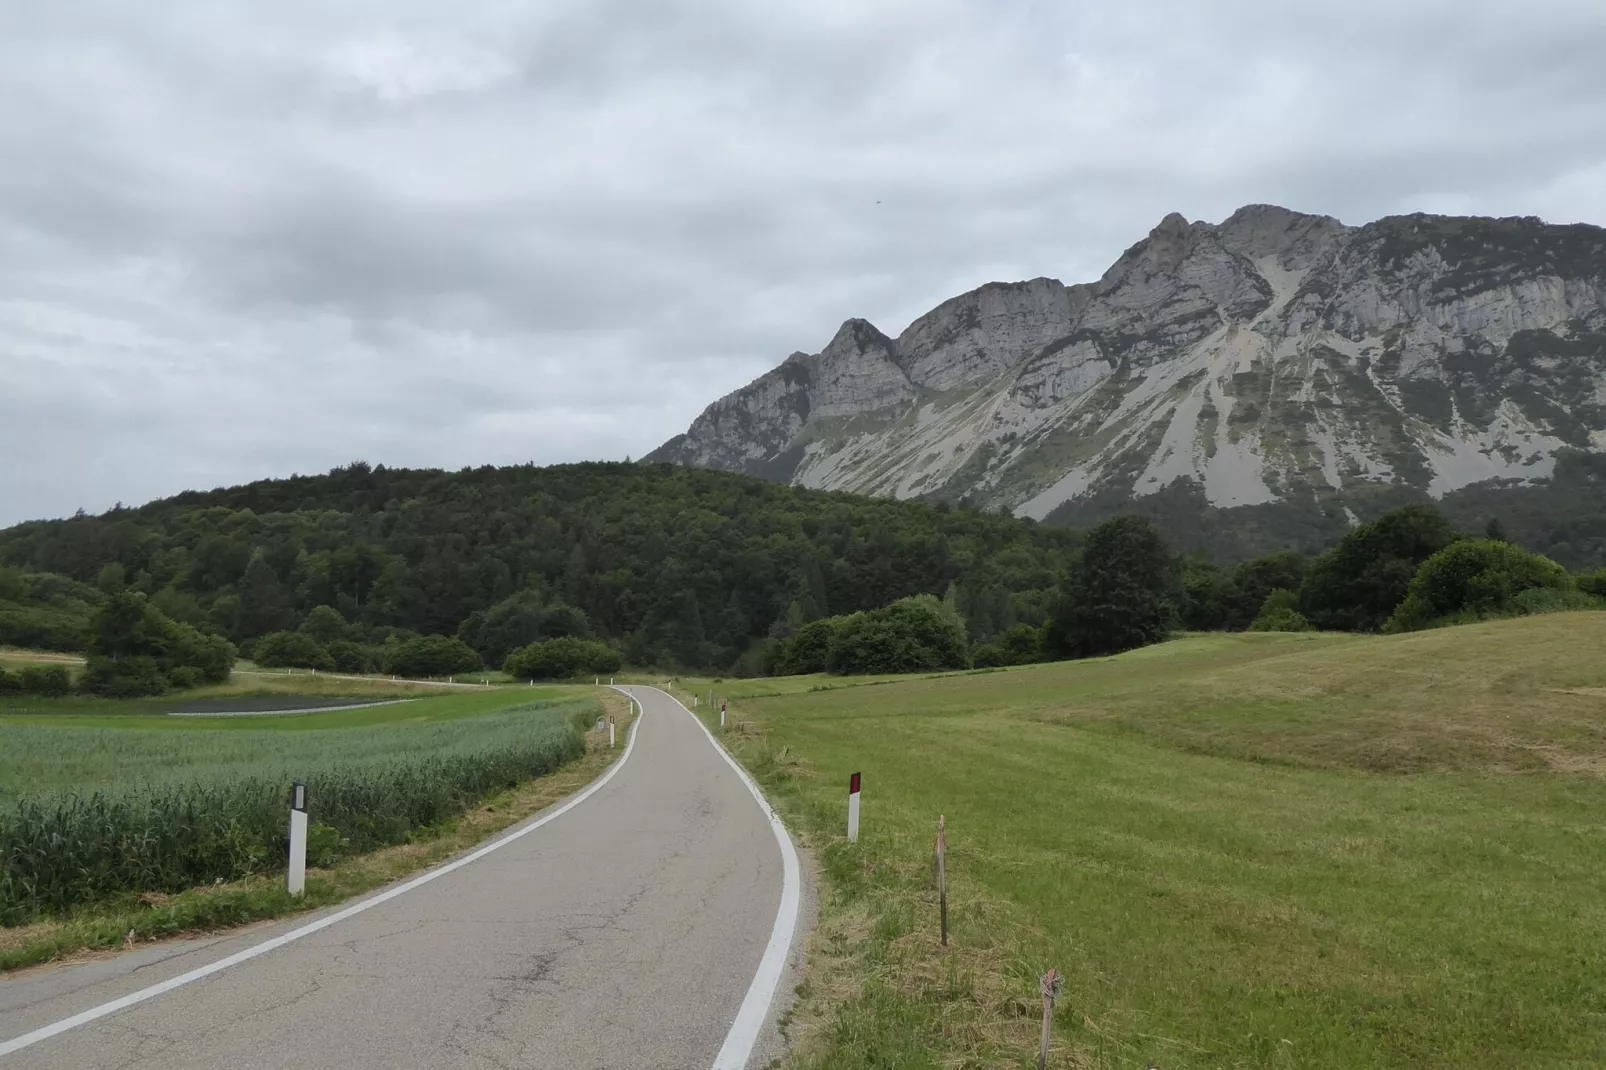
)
(1276, 359)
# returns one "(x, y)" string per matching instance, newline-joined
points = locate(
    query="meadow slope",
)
(1242, 850)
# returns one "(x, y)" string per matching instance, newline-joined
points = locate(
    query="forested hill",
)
(676, 566)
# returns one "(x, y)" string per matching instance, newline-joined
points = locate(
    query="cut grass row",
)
(1241, 851)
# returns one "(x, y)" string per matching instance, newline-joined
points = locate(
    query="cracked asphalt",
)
(623, 934)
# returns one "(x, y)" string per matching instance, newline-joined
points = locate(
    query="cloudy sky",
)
(241, 240)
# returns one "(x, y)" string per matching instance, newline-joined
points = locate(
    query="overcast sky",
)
(241, 240)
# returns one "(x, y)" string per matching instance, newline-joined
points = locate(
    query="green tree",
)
(135, 649)
(51, 681)
(919, 634)
(1117, 596)
(325, 625)
(562, 658)
(430, 655)
(264, 602)
(809, 650)
(299, 650)
(1280, 613)
(1474, 576)
(1020, 645)
(113, 578)
(1356, 585)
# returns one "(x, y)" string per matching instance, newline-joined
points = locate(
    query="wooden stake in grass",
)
(1053, 984)
(942, 876)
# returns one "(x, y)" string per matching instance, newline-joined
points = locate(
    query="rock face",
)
(1275, 358)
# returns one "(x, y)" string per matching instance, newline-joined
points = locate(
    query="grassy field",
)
(1242, 851)
(44, 753)
(213, 907)
(102, 802)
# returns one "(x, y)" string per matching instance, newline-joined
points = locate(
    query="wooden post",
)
(942, 876)
(1052, 983)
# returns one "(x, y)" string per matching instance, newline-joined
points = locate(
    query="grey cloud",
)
(242, 241)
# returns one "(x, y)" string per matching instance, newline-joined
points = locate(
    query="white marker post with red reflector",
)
(853, 808)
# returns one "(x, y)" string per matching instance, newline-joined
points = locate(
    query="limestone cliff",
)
(1274, 358)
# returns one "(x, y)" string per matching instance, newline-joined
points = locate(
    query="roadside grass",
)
(1242, 851)
(142, 919)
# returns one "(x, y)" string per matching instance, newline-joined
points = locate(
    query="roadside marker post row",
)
(853, 808)
(296, 879)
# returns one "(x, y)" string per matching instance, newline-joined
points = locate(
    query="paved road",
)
(624, 933)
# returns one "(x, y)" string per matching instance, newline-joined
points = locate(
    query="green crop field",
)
(101, 801)
(1241, 851)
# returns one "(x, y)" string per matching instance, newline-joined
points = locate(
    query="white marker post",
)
(721, 713)
(942, 876)
(610, 733)
(853, 808)
(296, 882)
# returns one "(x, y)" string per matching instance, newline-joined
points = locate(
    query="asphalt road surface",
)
(624, 932)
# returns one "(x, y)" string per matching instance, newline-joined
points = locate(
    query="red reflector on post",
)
(853, 784)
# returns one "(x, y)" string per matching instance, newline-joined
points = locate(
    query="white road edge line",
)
(85, 1017)
(744, 1031)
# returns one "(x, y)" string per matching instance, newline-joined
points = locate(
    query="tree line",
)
(576, 570)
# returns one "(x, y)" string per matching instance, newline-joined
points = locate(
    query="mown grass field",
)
(1242, 851)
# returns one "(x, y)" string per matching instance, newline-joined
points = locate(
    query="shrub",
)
(9, 683)
(1020, 645)
(291, 650)
(131, 676)
(1478, 577)
(1555, 600)
(41, 627)
(129, 637)
(348, 656)
(562, 658)
(1357, 585)
(184, 676)
(1280, 613)
(1593, 583)
(324, 625)
(49, 680)
(429, 655)
(809, 650)
(919, 634)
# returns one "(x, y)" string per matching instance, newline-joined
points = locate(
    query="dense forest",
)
(574, 570)
(676, 567)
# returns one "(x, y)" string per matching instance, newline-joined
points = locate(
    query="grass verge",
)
(224, 906)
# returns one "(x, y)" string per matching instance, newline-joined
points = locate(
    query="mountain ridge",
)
(1274, 359)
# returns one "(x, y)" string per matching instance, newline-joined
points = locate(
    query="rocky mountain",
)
(1273, 377)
